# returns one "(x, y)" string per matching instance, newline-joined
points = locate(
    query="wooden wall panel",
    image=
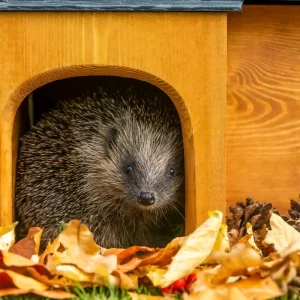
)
(263, 108)
(182, 53)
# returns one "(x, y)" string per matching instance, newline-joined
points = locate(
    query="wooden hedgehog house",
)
(179, 46)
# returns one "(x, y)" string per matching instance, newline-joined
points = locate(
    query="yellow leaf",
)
(156, 274)
(236, 262)
(194, 250)
(7, 236)
(221, 244)
(282, 235)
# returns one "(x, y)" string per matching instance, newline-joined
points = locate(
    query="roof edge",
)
(121, 5)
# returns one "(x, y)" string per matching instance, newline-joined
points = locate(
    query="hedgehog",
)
(111, 157)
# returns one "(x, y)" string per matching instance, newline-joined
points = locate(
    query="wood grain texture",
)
(121, 5)
(263, 107)
(38, 48)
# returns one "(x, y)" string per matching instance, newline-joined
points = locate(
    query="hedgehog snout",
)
(146, 198)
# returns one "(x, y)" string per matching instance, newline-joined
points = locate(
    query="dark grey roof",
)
(272, 2)
(121, 5)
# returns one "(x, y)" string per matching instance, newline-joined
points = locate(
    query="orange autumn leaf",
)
(15, 260)
(164, 256)
(53, 280)
(256, 288)
(20, 281)
(126, 254)
(135, 296)
(11, 291)
(53, 294)
(160, 257)
(30, 245)
(230, 293)
(79, 249)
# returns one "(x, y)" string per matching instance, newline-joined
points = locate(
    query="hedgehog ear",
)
(111, 136)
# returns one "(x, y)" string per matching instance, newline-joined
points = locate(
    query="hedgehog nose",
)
(146, 198)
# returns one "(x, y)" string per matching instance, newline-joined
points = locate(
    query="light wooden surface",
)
(263, 106)
(185, 50)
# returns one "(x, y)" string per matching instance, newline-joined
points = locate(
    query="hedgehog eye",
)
(129, 169)
(171, 172)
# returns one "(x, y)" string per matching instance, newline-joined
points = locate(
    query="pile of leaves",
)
(218, 261)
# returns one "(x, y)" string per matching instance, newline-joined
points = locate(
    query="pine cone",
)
(256, 214)
(259, 216)
(294, 215)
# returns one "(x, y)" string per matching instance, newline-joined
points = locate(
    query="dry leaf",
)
(127, 281)
(20, 281)
(7, 236)
(135, 296)
(80, 250)
(11, 291)
(30, 245)
(221, 244)
(14, 260)
(164, 256)
(54, 280)
(256, 288)
(195, 249)
(155, 274)
(282, 234)
(54, 294)
(236, 262)
(230, 293)
(126, 254)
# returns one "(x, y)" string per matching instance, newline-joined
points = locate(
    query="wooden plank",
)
(121, 5)
(263, 106)
(272, 2)
(146, 46)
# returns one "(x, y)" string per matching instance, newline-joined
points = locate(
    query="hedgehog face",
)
(149, 163)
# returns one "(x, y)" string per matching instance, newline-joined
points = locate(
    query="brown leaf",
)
(30, 245)
(164, 256)
(130, 266)
(126, 254)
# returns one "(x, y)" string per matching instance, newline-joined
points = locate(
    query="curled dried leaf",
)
(30, 245)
